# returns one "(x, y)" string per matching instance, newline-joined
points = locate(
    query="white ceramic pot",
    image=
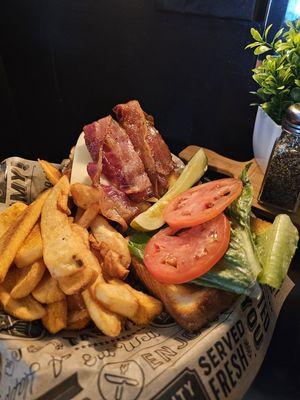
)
(266, 131)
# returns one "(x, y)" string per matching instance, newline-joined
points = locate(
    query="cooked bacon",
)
(149, 144)
(116, 206)
(113, 155)
(95, 135)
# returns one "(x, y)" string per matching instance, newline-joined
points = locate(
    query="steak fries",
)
(49, 269)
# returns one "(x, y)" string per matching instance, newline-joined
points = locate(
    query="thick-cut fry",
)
(55, 318)
(105, 233)
(47, 291)
(149, 307)
(78, 319)
(78, 214)
(109, 323)
(9, 215)
(89, 215)
(116, 298)
(12, 239)
(78, 316)
(112, 265)
(109, 260)
(27, 308)
(28, 279)
(84, 196)
(82, 233)
(77, 282)
(52, 173)
(31, 250)
(64, 251)
(11, 278)
(75, 302)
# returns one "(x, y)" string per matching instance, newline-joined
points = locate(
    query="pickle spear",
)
(152, 218)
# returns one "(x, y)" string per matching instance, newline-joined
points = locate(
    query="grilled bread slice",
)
(190, 305)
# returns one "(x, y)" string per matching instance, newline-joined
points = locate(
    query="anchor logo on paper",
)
(121, 381)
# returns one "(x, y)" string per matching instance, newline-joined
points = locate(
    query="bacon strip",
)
(116, 205)
(113, 155)
(148, 143)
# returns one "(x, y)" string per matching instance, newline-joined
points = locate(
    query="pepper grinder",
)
(281, 185)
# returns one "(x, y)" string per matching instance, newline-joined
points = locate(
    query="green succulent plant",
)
(278, 74)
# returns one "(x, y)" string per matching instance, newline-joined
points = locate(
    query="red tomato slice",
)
(201, 203)
(172, 258)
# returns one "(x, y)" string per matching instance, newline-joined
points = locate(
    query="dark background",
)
(66, 63)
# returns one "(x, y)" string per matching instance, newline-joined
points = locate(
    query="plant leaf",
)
(251, 45)
(261, 49)
(277, 35)
(267, 31)
(256, 35)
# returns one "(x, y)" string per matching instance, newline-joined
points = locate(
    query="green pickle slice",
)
(152, 218)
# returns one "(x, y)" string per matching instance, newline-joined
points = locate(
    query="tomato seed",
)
(170, 260)
(203, 252)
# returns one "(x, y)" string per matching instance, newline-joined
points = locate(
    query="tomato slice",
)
(201, 203)
(179, 258)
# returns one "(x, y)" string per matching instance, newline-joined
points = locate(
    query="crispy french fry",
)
(52, 173)
(89, 215)
(47, 291)
(11, 278)
(27, 308)
(105, 234)
(78, 214)
(75, 302)
(9, 215)
(78, 281)
(84, 196)
(109, 323)
(64, 251)
(78, 319)
(12, 239)
(149, 307)
(112, 265)
(31, 250)
(55, 318)
(116, 298)
(82, 233)
(28, 279)
(78, 316)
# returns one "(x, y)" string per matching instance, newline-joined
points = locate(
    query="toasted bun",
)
(191, 306)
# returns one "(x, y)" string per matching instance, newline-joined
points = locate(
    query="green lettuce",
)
(238, 269)
(276, 247)
(137, 243)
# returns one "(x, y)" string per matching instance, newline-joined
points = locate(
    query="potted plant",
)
(278, 78)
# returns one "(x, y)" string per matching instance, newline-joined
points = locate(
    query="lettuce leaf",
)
(137, 243)
(276, 247)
